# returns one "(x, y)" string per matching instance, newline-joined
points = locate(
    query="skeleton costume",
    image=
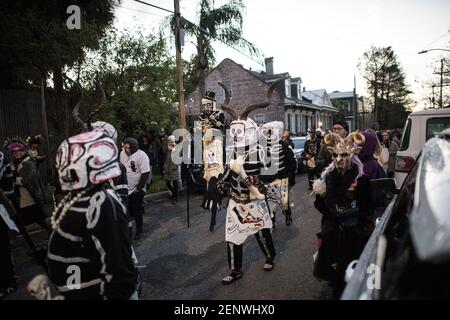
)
(248, 211)
(279, 164)
(212, 123)
(346, 204)
(90, 228)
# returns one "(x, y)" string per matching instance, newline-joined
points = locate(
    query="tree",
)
(216, 24)
(385, 83)
(36, 41)
(137, 74)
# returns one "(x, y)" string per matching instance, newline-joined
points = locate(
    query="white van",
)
(419, 127)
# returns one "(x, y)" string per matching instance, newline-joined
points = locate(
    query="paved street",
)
(177, 262)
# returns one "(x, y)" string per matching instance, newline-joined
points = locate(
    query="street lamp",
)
(442, 72)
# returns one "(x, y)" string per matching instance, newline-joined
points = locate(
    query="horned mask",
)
(344, 149)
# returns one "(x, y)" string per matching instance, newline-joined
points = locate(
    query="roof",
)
(341, 95)
(269, 77)
(320, 98)
(300, 103)
(431, 111)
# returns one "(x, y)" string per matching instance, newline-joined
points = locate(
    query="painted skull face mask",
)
(86, 159)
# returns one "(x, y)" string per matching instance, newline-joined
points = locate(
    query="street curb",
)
(156, 196)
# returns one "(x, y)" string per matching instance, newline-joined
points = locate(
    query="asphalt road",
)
(188, 263)
(177, 262)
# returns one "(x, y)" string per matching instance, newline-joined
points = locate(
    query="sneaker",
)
(233, 276)
(174, 201)
(268, 266)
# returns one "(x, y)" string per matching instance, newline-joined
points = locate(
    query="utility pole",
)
(179, 64)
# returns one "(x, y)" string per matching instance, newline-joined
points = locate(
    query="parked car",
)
(408, 254)
(299, 145)
(420, 127)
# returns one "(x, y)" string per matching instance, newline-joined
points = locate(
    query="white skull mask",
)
(208, 106)
(244, 132)
(85, 159)
(272, 131)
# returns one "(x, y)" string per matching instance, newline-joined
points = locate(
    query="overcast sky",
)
(322, 40)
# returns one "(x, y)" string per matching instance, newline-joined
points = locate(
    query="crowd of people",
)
(257, 182)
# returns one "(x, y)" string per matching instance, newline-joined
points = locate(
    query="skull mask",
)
(244, 132)
(272, 131)
(85, 159)
(208, 106)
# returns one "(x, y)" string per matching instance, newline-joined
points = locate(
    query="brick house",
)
(248, 87)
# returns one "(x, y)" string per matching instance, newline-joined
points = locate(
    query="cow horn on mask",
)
(356, 137)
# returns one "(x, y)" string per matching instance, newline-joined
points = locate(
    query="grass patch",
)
(158, 184)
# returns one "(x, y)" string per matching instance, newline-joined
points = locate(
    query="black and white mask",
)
(85, 159)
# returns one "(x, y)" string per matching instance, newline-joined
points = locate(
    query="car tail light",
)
(404, 164)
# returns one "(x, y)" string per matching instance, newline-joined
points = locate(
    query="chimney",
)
(304, 89)
(269, 65)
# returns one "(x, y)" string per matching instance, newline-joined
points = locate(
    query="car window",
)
(404, 144)
(299, 143)
(436, 125)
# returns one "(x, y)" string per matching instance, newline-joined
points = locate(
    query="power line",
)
(153, 14)
(154, 6)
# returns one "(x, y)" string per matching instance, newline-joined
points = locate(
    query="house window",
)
(260, 118)
(287, 86)
(297, 123)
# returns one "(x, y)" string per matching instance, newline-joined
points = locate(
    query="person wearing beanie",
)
(137, 165)
(341, 128)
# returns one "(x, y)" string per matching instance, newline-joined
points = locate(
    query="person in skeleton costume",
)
(212, 124)
(119, 183)
(280, 162)
(90, 228)
(247, 212)
(347, 211)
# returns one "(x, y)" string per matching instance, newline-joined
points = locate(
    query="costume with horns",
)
(248, 211)
(212, 123)
(89, 252)
(346, 204)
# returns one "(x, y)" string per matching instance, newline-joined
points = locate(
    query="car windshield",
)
(299, 143)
